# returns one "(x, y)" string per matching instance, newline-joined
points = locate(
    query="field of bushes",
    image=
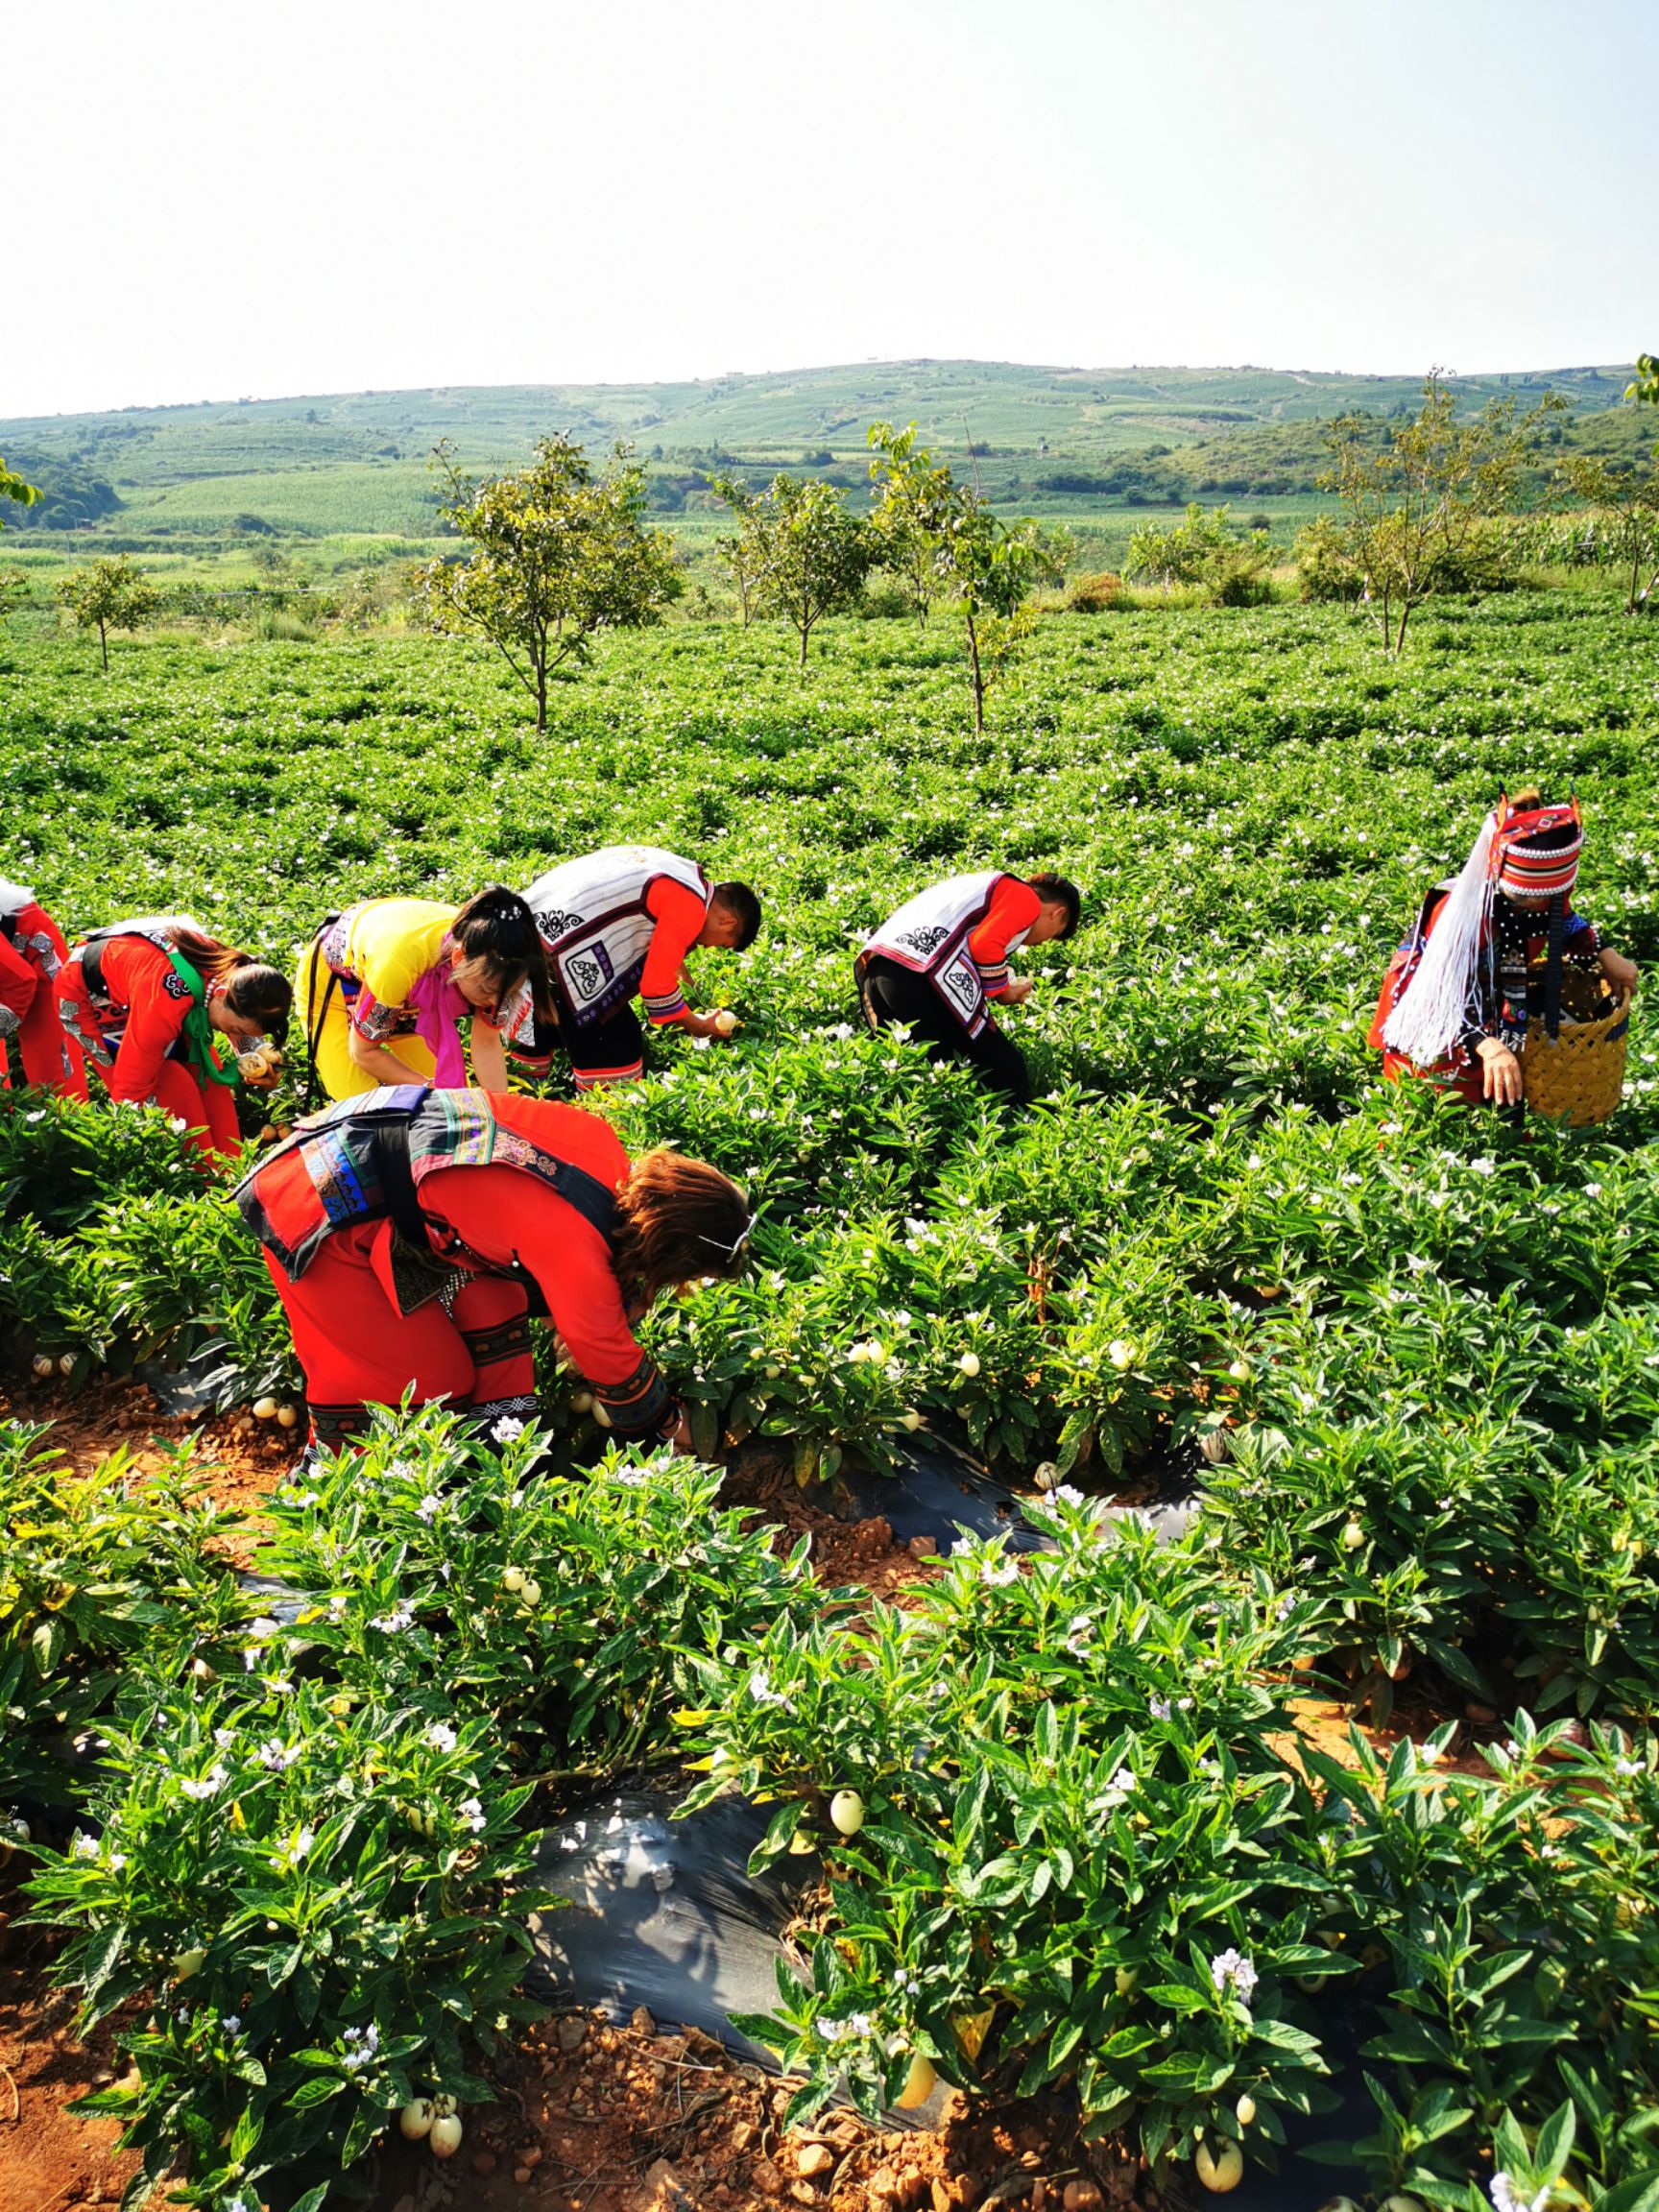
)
(1413, 1349)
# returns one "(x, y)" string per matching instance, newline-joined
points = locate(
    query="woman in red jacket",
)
(404, 1234)
(148, 1000)
(32, 950)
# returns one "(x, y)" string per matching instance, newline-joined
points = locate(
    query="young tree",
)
(964, 553)
(1414, 498)
(917, 498)
(1206, 549)
(14, 591)
(1647, 384)
(814, 555)
(558, 554)
(109, 595)
(742, 554)
(1627, 498)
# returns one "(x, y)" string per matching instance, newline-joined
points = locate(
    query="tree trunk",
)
(977, 677)
(104, 648)
(806, 633)
(1400, 641)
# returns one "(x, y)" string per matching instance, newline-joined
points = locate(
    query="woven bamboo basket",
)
(1577, 1076)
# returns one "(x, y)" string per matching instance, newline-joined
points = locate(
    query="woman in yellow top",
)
(384, 987)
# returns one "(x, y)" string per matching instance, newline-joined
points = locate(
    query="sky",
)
(259, 200)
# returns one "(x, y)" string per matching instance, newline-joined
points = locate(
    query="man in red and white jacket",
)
(618, 924)
(940, 963)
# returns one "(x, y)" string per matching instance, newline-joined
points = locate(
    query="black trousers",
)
(892, 994)
(610, 1050)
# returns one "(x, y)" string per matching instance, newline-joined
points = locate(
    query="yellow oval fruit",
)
(531, 1593)
(286, 1417)
(416, 2118)
(513, 1579)
(66, 1363)
(910, 1419)
(1352, 1536)
(847, 1812)
(44, 1364)
(918, 2083)
(1400, 2203)
(1221, 2170)
(445, 2136)
(1303, 1663)
(187, 1963)
(1239, 1370)
(724, 1021)
(1216, 1446)
(969, 1363)
(1122, 1354)
(264, 1408)
(1244, 2111)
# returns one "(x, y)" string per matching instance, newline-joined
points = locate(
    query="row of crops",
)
(1414, 1350)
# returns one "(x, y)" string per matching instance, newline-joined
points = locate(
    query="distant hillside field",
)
(1089, 445)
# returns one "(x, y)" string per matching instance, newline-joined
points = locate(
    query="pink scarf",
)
(440, 1007)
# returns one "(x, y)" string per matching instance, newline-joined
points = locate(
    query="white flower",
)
(1591, 1190)
(761, 1690)
(843, 2030)
(1079, 1633)
(213, 1781)
(401, 1470)
(1062, 1493)
(996, 1572)
(441, 1736)
(232, 2022)
(1233, 1973)
(1507, 2198)
(361, 2045)
(303, 1839)
(394, 1622)
(1160, 1708)
(1121, 1787)
(1483, 1166)
(471, 1811)
(83, 1847)
(275, 1756)
(337, 1608)
(1627, 1767)
(224, 1738)
(430, 1508)
(507, 1428)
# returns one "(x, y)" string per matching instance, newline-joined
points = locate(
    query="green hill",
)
(1058, 441)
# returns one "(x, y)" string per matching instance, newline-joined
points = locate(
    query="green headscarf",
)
(200, 1042)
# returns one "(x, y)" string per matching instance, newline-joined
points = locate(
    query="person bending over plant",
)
(147, 1002)
(939, 963)
(31, 952)
(406, 1233)
(1487, 951)
(386, 985)
(619, 923)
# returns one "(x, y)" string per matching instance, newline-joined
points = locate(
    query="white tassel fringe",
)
(1433, 1010)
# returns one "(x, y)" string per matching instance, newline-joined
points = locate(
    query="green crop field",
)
(1078, 1848)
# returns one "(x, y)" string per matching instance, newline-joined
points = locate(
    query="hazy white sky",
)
(209, 199)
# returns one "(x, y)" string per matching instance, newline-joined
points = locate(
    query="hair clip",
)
(736, 1244)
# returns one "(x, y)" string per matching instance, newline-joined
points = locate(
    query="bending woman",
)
(31, 952)
(147, 1002)
(403, 1236)
(385, 986)
(1486, 951)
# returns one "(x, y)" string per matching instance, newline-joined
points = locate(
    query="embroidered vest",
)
(929, 935)
(594, 922)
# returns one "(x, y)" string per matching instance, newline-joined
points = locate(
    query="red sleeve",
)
(139, 975)
(18, 982)
(507, 1214)
(679, 918)
(1014, 906)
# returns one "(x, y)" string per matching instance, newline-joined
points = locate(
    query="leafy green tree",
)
(1206, 550)
(558, 554)
(14, 591)
(958, 550)
(1414, 500)
(918, 495)
(13, 487)
(1627, 499)
(109, 595)
(742, 553)
(1647, 384)
(813, 554)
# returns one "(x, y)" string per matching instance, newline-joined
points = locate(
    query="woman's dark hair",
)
(737, 899)
(1060, 891)
(496, 927)
(251, 990)
(677, 1219)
